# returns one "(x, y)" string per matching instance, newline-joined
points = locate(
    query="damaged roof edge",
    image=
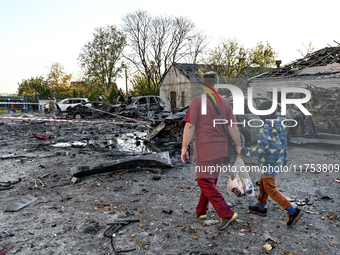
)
(259, 75)
(323, 57)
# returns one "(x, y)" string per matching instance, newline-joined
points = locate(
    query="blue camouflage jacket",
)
(271, 147)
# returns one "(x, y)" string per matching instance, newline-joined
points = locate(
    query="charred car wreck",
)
(139, 108)
(91, 110)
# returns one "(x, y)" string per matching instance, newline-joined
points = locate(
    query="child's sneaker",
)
(294, 217)
(257, 210)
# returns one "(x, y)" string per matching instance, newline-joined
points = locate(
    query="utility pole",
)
(126, 84)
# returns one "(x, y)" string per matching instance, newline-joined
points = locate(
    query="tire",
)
(58, 112)
(174, 132)
(78, 115)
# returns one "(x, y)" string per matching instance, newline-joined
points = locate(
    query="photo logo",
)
(204, 97)
(238, 100)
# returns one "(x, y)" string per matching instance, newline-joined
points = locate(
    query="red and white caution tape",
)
(84, 121)
(20, 103)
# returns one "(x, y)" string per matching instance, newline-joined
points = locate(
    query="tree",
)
(196, 47)
(99, 58)
(140, 86)
(306, 48)
(112, 98)
(35, 86)
(233, 61)
(59, 81)
(157, 42)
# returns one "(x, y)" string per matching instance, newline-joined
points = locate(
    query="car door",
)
(76, 101)
(142, 104)
(154, 104)
(64, 104)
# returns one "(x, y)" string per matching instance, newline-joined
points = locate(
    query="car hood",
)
(176, 116)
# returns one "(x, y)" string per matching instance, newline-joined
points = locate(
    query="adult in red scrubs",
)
(210, 148)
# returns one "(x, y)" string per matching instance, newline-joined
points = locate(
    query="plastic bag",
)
(240, 184)
(235, 185)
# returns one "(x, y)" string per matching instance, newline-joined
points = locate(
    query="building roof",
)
(326, 60)
(193, 72)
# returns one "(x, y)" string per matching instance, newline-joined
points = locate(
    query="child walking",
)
(271, 149)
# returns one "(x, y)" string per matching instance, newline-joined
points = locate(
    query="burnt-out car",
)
(140, 106)
(172, 125)
(94, 109)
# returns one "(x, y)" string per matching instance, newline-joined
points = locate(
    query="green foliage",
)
(99, 58)
(59, 81)
(57, 84)
(112, 99)
(263, 56)
(140, 86)
(35, 86)
(93, 96)
(231, 60)
(92, 90)
(75, 93)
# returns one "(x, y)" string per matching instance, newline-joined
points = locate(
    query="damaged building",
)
(319, 72)
(178, 87)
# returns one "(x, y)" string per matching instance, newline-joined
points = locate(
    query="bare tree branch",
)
(157, 42)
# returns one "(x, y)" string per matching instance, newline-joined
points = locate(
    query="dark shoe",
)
(294, 217)
(257, 210)
(225, 222)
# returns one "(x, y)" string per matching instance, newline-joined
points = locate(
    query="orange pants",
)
(268, 188)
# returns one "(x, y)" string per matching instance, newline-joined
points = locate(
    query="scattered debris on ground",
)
(71, 212)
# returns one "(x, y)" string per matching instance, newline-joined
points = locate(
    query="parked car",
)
(67, 102)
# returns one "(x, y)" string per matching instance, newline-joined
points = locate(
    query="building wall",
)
(175, 81)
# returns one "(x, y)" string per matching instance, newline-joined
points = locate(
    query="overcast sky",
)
(35, 33)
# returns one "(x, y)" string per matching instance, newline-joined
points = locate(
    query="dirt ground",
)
(71, 218)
